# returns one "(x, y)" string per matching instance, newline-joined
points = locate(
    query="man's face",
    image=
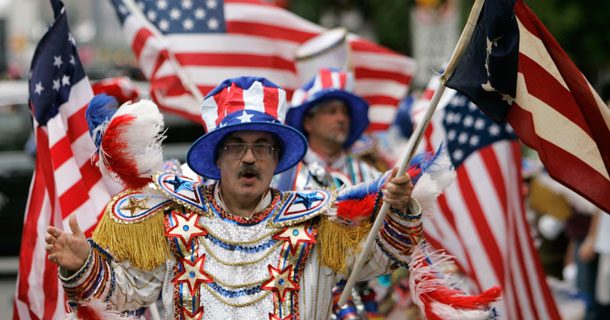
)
(249, 175)
(328, 122)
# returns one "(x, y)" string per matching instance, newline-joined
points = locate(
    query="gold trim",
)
(229, 285)
(236, 305)
(244, 263)
(130, 192)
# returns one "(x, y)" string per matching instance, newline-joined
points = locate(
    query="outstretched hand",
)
(398, 190)
(68, 250)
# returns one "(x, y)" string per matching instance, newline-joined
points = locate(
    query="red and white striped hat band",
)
(245, 103)
(325, 79)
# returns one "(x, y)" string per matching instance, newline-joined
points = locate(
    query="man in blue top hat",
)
(236, 249)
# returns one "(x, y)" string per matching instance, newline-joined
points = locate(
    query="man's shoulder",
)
(134, 206)
(299, 206)
(183, 190)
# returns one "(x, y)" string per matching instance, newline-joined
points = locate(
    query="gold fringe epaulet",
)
(336, 242)
(132, 229)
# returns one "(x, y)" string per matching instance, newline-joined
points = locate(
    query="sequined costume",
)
(282, 263)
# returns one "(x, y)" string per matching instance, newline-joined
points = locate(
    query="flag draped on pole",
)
(185, 46)
(514, 70)
(480, 218)
(65, 182)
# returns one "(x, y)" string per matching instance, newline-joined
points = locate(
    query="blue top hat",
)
(245, 103)
(329, 84)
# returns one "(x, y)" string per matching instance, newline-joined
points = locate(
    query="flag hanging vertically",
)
(65, 182)
(480, 218)
(184, 45)
(514, 70)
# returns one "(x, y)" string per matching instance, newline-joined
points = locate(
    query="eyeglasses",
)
(235, 151)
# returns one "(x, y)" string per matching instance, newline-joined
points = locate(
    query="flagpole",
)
(409, 151)
(182, 75)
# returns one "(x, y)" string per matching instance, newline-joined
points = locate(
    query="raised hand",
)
(398, 190)
(68, 250)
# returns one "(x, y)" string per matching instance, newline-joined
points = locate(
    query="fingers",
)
(75, 228)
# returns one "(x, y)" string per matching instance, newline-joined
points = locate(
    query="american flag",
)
(480, 218)
(184, 44)
(514, 69)
(65, 181)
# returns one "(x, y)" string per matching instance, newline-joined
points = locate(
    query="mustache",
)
(248, 169)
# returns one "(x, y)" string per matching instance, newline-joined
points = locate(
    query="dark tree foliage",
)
(582, 27)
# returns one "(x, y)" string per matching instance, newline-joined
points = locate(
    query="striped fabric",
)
(325, 79)
(184, 45)
(65, 181)
(243, 94)
(480, 219)
(564, 120)
(516, 71)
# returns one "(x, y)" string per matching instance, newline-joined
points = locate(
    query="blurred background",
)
(426, 30)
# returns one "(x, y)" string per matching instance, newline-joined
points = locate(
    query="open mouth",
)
(250, 175)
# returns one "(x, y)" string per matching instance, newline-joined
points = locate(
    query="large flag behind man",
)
(480, 218)
(184, 46)
(65, 182)
(514, 69)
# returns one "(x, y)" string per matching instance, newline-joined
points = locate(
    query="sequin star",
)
(307, 199)
(245, 117)
(196, 315)
(274, 317)
(294, 235)
(181, 184)
(186, 227)
(136, 203)
(193, 274)
(280, 281)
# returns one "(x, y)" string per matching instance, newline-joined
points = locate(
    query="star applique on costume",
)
(281, 281)
(307, 199)
(274, 317)
(193, 274)
(186, 227)
(136, 203)
(294, 235)
(196, 315)
(181, 184)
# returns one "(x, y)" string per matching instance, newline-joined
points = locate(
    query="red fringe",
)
(119, 160)
(87, 313)
(356, 210)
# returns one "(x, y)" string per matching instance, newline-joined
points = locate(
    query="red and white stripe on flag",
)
(480, 219)
(65, 182)
(260, 40)
(564, 119)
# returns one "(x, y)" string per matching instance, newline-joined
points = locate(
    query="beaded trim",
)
(236, 305)
(142, 216)
(389, 255)
(197, 187)
(285, 206)
(237, 247)
(256, 218)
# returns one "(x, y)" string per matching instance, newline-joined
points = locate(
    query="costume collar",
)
(336, 163)
(262, 204)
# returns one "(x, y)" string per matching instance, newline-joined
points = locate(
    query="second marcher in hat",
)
(332, 118)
